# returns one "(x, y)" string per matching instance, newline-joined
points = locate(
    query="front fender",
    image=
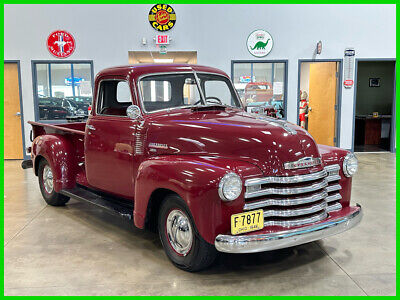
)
(333, 155)
(59, 152)
(195, 180)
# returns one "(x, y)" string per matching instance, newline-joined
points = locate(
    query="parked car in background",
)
(261, 108)
(51, 109)
(258, 92)
(81, 102)
(74, 109)
(259, 99)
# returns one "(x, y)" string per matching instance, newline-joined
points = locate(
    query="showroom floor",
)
(81, 250)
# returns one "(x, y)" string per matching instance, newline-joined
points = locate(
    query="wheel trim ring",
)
(48, 179)
(180, 242)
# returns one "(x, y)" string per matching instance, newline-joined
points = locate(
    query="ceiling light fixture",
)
(163, 60)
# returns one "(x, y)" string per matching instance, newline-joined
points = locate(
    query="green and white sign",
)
(260, 43)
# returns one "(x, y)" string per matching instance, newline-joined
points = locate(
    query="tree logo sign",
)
(162, 17)
(260, 43)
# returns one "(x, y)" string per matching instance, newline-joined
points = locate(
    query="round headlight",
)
(350, 165)
(230, 187)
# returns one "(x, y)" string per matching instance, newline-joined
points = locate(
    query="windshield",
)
(218, 90)
(182, 90)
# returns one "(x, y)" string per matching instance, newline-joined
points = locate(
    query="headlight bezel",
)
(346, 161)
(225, 180)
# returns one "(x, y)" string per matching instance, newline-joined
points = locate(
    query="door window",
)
(114, 98)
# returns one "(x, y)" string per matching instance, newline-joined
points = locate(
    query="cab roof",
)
(135, 71)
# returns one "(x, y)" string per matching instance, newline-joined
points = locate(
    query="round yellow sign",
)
(162, 17)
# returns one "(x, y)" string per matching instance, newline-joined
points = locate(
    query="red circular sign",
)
(162, 17)
(61, 43)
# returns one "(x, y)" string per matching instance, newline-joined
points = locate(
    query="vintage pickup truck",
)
(170, 148)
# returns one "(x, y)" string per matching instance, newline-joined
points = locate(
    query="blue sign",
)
(244, 79)
(77, 81)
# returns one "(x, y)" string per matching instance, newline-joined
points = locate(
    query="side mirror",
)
(133, 112)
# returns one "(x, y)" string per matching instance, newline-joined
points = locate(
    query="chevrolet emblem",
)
(304, 162)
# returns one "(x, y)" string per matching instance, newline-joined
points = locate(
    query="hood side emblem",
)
(158, 146)
(305, 162)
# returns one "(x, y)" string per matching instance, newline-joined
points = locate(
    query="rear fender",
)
(60, 154)
(195, 180)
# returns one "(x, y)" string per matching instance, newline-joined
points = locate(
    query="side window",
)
(123, 93)
(114, 98)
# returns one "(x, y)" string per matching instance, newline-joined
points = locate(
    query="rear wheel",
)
(182, 243)
(46, 184)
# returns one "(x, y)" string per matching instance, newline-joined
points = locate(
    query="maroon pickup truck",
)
(170, 148)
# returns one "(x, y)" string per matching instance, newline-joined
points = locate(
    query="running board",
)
(112, 205)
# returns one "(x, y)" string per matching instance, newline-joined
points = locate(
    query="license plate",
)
(248, 221)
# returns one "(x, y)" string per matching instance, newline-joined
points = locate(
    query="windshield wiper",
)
(208, 107)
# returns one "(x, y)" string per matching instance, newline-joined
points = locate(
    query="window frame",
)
(97, 114)
(273, 62)
(34, 63)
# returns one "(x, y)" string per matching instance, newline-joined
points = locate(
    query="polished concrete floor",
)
(81, 250)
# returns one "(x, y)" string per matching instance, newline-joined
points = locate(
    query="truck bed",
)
(42, 128)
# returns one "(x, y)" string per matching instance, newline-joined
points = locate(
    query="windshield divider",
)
(203, 98)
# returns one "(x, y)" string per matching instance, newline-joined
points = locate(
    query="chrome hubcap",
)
(179, 232)
(48, 179)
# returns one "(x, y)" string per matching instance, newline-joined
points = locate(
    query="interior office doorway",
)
(374, 107)
(13, 114)
(151, 57)
(319, 99)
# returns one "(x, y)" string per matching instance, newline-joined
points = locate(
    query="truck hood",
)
(265, 142)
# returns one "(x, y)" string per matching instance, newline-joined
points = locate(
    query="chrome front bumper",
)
(285, 239)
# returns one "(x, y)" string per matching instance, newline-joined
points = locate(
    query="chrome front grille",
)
(286, 201)
(298, 221)
(295, 200)
(333, 188)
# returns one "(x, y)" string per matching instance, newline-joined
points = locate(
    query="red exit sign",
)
(162, 39)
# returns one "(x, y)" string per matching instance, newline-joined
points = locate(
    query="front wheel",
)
(182, 243)
(46, 183)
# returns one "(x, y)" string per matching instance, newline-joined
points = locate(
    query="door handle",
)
(18, 114)
(90, 127)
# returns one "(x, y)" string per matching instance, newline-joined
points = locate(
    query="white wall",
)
(105, 34)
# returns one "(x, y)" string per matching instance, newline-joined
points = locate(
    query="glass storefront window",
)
(63, 89)
(261, 87)
(43, 81)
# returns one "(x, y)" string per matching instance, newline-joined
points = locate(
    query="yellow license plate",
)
(248, 221)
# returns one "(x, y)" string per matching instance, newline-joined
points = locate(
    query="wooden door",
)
(322, 101)
(12, 113)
